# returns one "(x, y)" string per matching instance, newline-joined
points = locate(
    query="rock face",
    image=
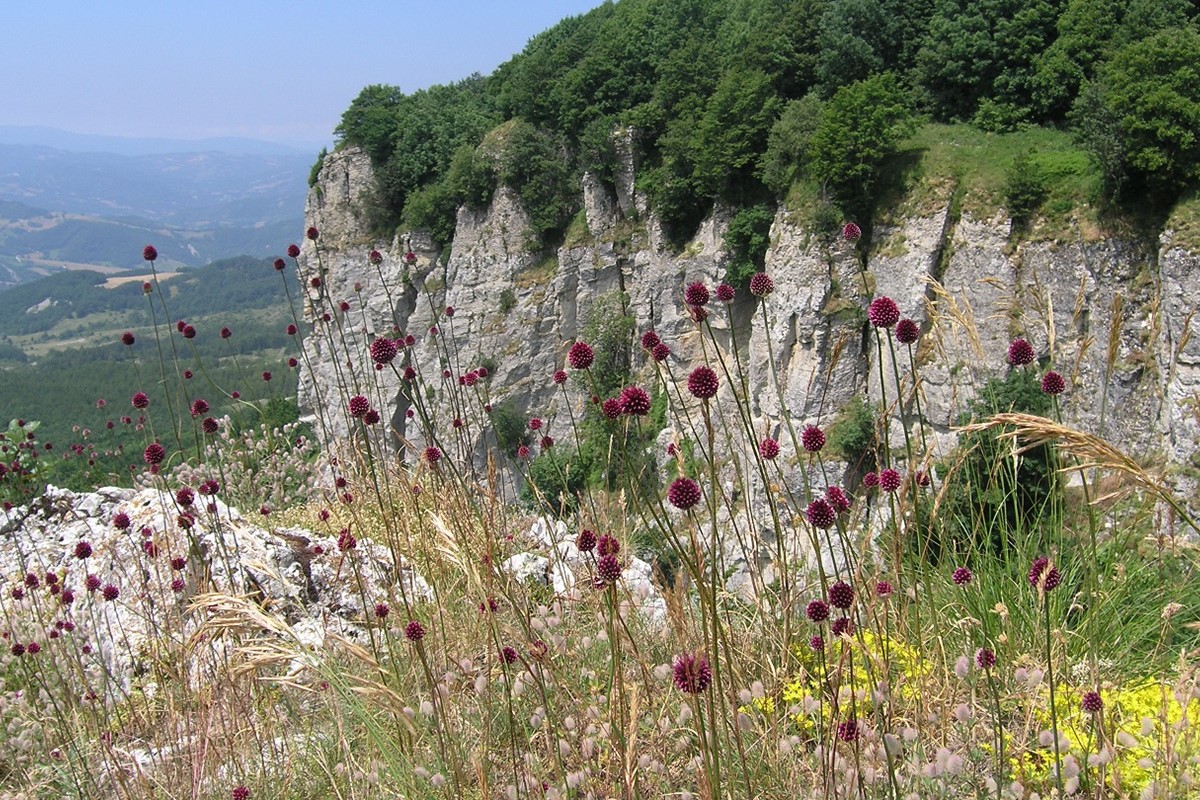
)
(1114, 317)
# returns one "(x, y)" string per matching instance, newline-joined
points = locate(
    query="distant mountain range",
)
(87, 208)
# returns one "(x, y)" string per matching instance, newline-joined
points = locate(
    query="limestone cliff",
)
(1118, 316)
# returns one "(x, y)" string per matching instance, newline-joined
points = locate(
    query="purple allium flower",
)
(813, 439)
(837, 497)
(820, 514)
(560, 377)
(907, 331)
(535, 424)
(150, 253)
(178, 563)
(432, 455)
(841, 595)
(177, 585)
(962, 576)
(241, 792)
(140, 400)
(110, 592)
(199, 407)
(608, 568)
(1020, 353)
(508, 655)
(346, 540)
(841, 627)
(371, 417)
(185, 497)
(383, 351)
(848, 731)
(703, 383)
(883, 312)
(851, 232)
(189, 332)
(889, 480)
(538, 649)
(33, 648)
(32, 581)
(1090, 702)
(359, 406)
(581, 355)
(17, 593)
(683, 493)
(17, 649)
(635, 401)
(985, 658)
(611, 408)
(761, 284)
(884, 589)
(660, 352)
(546, 442)
(1053, 383)
(83, 549)
(410, 257)
(650, 340)
(696, 294)
(691, 673)
(817, 611)
(414, 631)
(871, 480)
(816, 643)
(280, 264)
(1044, 574)
(312, 233)
(154, 453)
(127, 338)
(697, 313)
(586, 541)
(291, 329)
(523, 451)
(768, 448)
(725, 293)
(375, 257)
(608, 545)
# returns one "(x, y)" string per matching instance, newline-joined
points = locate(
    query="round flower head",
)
(703, 383)
(650, 340)
(907, 331)
(523, 451)
(884, 589)
(240, 793)
(841, 595)
(635, 401)
(1053, 383)
(383, 351)
(725, 293)
(121, 521)
(189, 332)
(691, 673)
(820, 514)
(312, 233)
(279, 264)
(696, 294)
(962, 576)
(683, 493)
(608, 568)
(140, 400)
(535, 424)
(816, 643)
(841, 627)
(560, 377)
(154, 453)
(768, 448)
(1044, 574)
(293, 250)
(150, 253)
(660, 352)
(432, 455)
(851, 232)
(1091, 702)
(611, 408)
(761, 284)
(608, 545)
(359, 406)
(848, 731)
(837, 497)
(210, 425)
(871, 480)
(414, 631)
(580, 356)
(697, 313)
(127, 338)
(883, 312)
(375, 257)
(110, 592)
(586, 541)
(889, 480)
(199, 407)
(813, 439)
(1020, 353)
(83, 550)
(817, 611)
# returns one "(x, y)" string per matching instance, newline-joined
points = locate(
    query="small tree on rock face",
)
(860, 126)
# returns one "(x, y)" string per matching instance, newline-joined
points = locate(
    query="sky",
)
(262, 69)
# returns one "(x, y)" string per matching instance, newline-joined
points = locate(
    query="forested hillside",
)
(740, 101)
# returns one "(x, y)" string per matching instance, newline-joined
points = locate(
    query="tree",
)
(860, 126)
(371, 120)
(789, 143)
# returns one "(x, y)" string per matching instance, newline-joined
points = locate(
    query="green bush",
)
(852, 433)
(1025, 188)
(746, 239)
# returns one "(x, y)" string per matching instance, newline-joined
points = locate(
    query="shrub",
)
(1024, 188)
(746, 239)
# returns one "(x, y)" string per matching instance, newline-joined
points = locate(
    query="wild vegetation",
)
(734, 102)
(1015, 619)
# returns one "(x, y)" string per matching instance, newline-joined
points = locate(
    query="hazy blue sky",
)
(266, 69)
